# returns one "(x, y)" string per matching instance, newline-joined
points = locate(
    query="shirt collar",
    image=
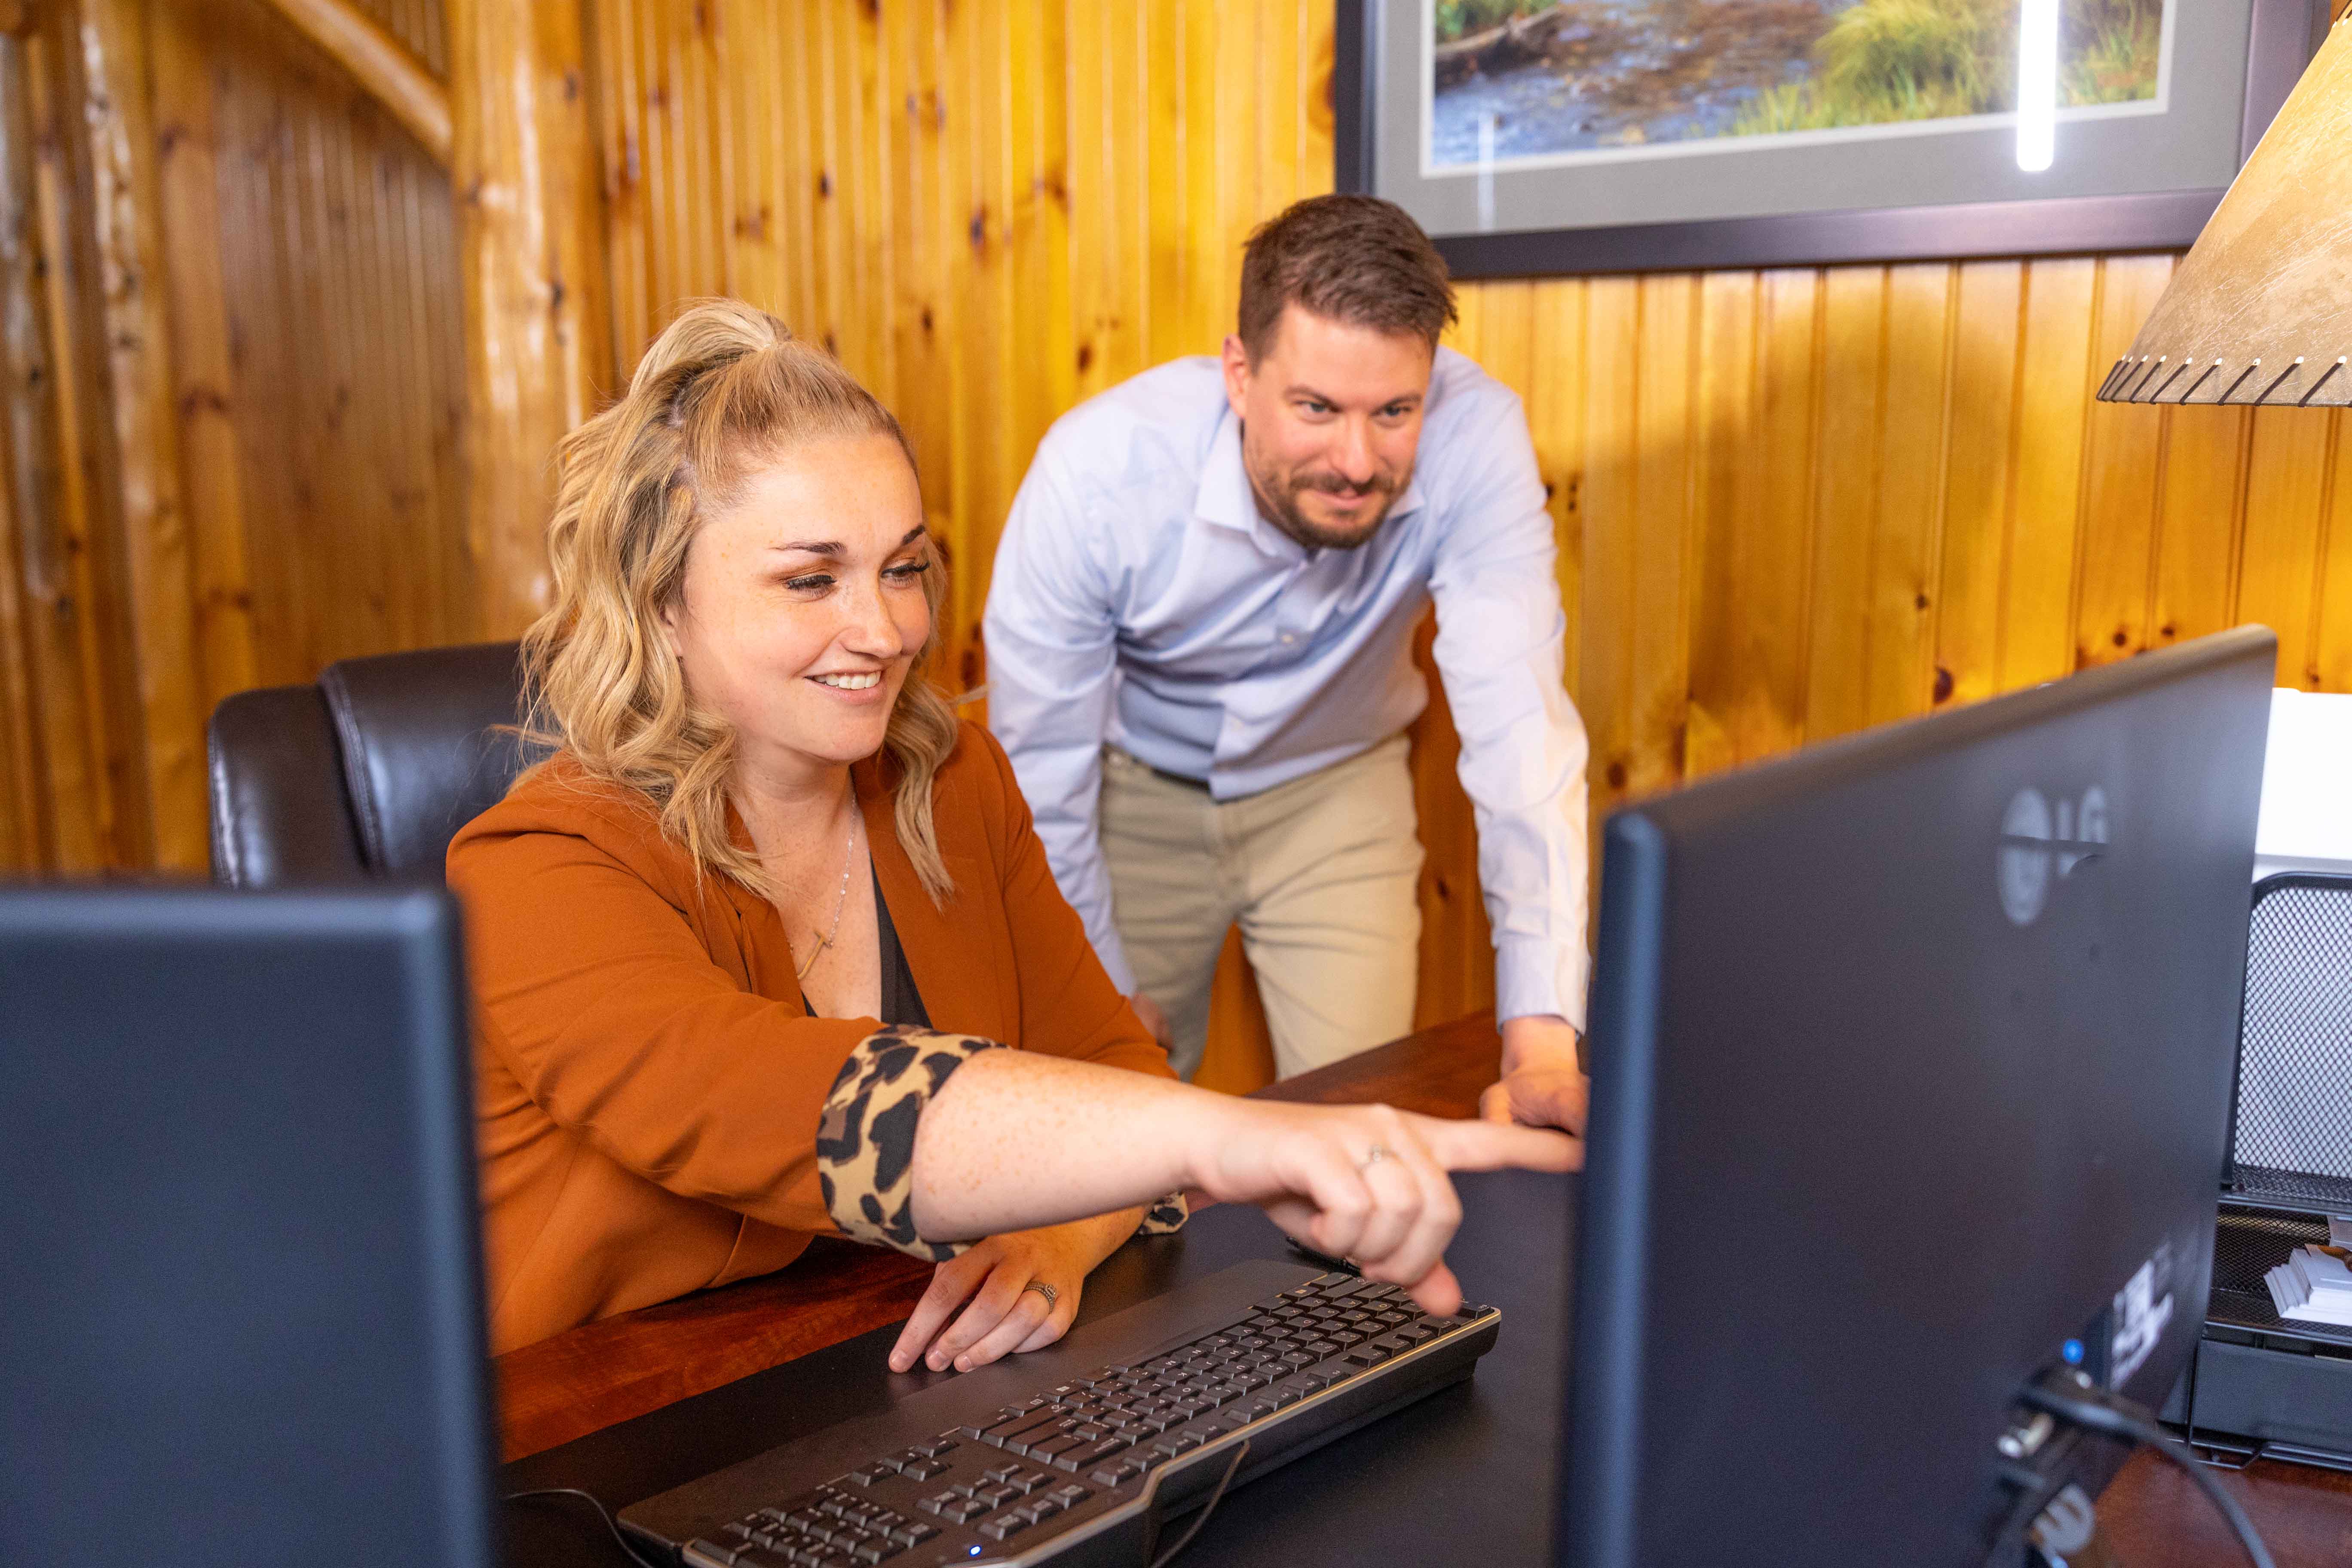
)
(1225, 497)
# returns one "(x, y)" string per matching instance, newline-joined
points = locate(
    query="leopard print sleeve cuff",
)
(866, 1139)
(865, 1135)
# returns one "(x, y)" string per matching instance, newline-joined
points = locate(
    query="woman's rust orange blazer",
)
(649, 1085)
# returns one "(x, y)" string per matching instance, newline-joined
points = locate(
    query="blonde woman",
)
(748, 949)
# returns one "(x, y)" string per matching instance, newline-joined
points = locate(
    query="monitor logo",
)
(2036, 849)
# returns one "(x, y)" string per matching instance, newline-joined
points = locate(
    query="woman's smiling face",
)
(803, 607)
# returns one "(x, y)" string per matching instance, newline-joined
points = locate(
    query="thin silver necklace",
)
(848, 864)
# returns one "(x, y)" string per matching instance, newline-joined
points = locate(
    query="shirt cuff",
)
(1533, 976)
(865, 1134)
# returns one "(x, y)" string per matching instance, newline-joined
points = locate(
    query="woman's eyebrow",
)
(833, 548)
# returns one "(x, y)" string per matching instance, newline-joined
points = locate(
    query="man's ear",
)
(1237, 376)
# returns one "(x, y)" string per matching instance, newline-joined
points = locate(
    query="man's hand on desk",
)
(1542, 1084)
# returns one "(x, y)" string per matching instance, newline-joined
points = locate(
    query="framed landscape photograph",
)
(1541, 136)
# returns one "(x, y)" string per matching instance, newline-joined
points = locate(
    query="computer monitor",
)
(1911, 1060)
(240, 1296)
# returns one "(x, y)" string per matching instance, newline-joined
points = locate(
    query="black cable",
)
(1210, 1506)
(2096, 1410)
(593, 1501)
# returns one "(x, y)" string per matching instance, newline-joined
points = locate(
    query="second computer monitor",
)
(1911, 1062)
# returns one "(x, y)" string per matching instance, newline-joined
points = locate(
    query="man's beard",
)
(1277, 498)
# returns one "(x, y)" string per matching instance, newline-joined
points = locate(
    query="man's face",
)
(1331, 420)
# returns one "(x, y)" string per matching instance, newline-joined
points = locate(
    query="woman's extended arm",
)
(1014, 1140)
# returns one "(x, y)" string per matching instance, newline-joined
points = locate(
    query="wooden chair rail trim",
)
(391, 76)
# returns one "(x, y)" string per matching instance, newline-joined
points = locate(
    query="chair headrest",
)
(423, 747)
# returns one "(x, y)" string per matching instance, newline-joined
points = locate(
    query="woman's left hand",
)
(991, 1283)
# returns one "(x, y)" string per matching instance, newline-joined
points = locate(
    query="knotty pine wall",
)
(1789, 503)
(271, 482)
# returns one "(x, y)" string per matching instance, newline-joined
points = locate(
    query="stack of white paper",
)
(2313, 1286)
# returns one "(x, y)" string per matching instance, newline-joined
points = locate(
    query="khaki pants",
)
(1321, 874)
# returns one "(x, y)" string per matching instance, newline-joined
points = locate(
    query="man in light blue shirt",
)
(1199, 636)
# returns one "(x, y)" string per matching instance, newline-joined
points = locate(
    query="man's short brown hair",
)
(1352, 258)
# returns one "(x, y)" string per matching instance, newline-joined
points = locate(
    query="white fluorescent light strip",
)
(2037, 85)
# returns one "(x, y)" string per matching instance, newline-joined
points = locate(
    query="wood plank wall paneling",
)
(1791, 504)
(338, 405)
(421, 24)
(234, 402)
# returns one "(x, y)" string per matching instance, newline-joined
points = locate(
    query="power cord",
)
(1210, 1506)
(602, 1512)
(2080, 1401)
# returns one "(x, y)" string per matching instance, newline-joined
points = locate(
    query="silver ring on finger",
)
(1373, 1156)
(1052, 1297)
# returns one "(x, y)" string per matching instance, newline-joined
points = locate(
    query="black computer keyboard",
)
(1087, 1470)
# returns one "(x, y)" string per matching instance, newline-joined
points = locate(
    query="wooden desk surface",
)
(605, 1372)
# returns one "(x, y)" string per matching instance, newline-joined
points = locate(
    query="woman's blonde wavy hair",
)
(725, 388)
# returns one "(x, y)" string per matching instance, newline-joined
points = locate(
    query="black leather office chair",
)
(367, 775)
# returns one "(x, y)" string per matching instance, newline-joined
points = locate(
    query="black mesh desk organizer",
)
(2261, 1383)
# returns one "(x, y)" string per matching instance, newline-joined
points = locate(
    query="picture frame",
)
(2279, 40)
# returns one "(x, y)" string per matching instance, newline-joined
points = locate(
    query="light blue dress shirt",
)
(1140, 598)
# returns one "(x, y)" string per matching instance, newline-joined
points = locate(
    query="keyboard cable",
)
(1210, 1506)
(592, 1501)
(2096, 1410)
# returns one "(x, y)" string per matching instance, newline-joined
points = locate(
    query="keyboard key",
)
(866, 1475)
(912, 1534)
(1102, 1450)
(991, 1429)
(1003, 1525)
(1315, 1382)
(1042, 1425)
(713, 1550)
(925, 1470)
(996, 1495)
(1042, 1508)
(1368, 1355)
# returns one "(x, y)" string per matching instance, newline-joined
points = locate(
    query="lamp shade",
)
(2260, 309)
